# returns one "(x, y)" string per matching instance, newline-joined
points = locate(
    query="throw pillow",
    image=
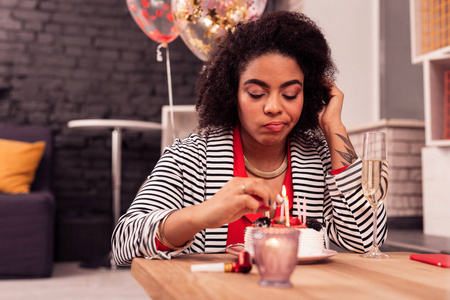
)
(18, 164)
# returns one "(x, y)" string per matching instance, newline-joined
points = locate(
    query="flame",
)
(283, 191)
(272, 242)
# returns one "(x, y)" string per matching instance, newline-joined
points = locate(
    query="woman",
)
(269, 115)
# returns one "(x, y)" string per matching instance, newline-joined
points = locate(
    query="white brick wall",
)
(405, 140)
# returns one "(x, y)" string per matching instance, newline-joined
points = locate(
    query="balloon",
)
(256, 7)
(201, 23)
(155, 19)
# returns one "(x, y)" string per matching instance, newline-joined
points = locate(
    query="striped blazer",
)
(194, 169)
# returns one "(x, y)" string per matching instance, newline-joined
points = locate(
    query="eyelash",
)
(260, 95)
(255, 96)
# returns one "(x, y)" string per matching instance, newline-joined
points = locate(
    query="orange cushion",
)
(18, 165)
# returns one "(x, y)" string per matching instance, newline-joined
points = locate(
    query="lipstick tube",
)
(217, 267)
(243, 265)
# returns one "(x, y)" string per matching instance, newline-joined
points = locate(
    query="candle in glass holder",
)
(275, 254)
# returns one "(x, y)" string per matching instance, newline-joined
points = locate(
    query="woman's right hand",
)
(235, 199)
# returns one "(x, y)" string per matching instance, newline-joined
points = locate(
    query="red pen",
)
(440, 260)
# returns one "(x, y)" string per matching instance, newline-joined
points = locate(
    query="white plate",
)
(312, 259)
(235, 249)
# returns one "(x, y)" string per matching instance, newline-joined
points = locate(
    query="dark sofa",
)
(27, 220)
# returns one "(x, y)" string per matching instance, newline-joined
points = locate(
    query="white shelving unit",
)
(436, 154)
(433, 72)
(418, 54)
(435, 63)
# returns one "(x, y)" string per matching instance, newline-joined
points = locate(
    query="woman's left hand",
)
(341, 149)
(330, 115)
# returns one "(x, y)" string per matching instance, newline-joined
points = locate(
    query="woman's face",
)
(270, 99)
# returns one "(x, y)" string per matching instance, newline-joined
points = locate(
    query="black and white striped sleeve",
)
(162, 193)
(348, 215)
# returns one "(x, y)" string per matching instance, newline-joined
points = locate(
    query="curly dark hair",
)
(288, 33)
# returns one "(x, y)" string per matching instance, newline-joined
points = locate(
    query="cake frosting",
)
(310, 242)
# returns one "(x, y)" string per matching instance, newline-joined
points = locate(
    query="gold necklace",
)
(267, 175)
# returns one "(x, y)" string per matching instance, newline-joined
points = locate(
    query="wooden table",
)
(343, 276)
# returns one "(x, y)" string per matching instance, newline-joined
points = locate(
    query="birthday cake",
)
(310, 242)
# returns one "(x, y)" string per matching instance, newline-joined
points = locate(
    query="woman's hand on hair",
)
(341, 149)
(330, 115)
(238, 197)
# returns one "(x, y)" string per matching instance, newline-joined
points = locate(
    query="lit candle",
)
(286, 205)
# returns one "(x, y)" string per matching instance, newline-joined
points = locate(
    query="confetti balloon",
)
(201, 23)
(155, 19)
(256, 7)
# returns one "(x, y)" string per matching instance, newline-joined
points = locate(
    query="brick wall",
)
(62, 60)
(405, 140)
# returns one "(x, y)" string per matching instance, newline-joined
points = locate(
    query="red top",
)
(236, 229)
(337, 171)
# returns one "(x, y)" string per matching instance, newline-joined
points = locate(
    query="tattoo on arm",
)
(350, 155)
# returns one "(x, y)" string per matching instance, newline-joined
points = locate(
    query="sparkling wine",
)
(375, 180)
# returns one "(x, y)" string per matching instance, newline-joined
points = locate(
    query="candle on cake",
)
(304, 210)
(286, 205)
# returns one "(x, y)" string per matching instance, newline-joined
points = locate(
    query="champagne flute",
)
(375, 179)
